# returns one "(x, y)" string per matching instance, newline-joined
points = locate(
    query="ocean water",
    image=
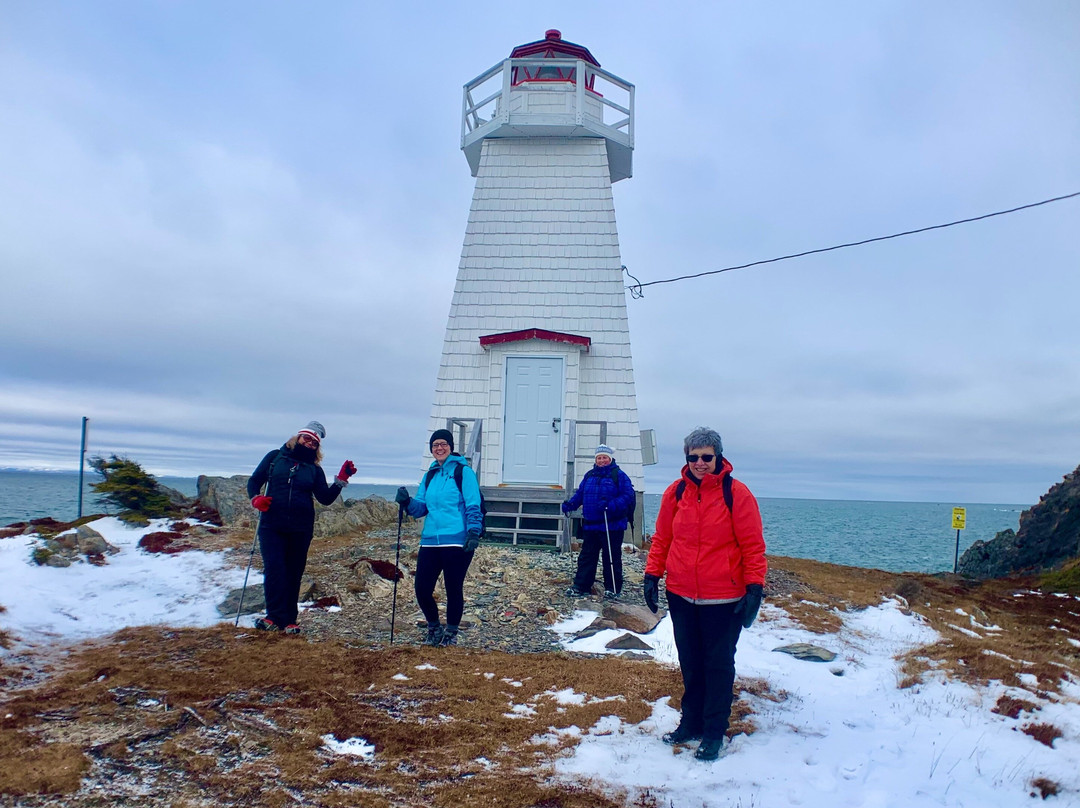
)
(895, 536)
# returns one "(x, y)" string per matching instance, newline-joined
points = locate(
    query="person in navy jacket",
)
(607, 499)
(293, 479)
(450, 536)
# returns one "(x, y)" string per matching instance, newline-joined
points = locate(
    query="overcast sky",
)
(220, 220)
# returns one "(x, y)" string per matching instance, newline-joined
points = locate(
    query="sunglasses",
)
(693, 458)
(440, 444)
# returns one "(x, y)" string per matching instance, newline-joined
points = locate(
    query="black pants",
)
(284, 555)
(453, 563)
(705, 637)
(594, 543)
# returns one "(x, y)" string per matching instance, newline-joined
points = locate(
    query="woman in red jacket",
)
(708, 540)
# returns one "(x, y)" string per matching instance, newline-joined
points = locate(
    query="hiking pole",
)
(611, 553)
(397, 563)
(251, 556)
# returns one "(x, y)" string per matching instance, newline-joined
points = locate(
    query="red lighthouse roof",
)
(553, 46)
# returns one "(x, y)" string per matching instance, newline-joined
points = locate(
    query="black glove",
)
(565, 506)
(403, 497)
(749, 604)
(652, 592)
(472, 540)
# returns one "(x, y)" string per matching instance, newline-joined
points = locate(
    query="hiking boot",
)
(708, 749)
(609, 595)
(266, 624)
(292, 628)
(574, 592)
(449, 636)
(434, 635)
(681, 735)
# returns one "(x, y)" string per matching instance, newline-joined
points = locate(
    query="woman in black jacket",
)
(293, 477)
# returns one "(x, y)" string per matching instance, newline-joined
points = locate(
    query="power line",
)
(635, 288)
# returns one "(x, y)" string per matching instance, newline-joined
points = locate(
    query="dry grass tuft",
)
(1011, 708)
(1043, 733)
(1045, 787)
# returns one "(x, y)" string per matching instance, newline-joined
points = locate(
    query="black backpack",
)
(680, 489)
(458, 471)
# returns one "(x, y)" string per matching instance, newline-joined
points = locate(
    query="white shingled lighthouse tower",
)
(536, 368)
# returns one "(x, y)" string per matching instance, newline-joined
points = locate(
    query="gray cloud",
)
(217, 225)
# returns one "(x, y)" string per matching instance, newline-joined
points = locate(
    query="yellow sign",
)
(959, 518)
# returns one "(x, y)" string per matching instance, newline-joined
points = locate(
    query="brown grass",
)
(246, 713)
(1045, 788)
(1011, 708)
(1043, 733)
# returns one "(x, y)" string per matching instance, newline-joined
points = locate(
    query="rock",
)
(630, 617)
(58, 560)
(92, 543)
(228, 496)
(176, 498)
(254, 601)
(596, 626)
(628, 642)
(808, 652)
(63, 542)
(1049, 535)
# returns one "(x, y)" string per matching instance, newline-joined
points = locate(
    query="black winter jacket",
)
(292, 484)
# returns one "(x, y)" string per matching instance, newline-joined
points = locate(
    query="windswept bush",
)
(126, 485)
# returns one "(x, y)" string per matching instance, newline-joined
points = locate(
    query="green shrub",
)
(41, 556)
(1066, 579)
(126, 485)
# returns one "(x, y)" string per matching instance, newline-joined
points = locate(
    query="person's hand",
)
(748, 605)
(348, 469)
(566, 506)
(402, 497)
(472, 541)
(261, 503)
(652, 592)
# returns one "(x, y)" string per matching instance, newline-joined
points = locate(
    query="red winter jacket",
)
(708, 552)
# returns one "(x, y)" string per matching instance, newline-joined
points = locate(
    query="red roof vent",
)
(552, 33)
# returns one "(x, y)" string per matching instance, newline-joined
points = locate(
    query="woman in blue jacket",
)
(449, 496)
(293, 479)
(607, 499)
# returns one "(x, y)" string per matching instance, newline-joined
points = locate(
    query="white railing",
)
(486, 99)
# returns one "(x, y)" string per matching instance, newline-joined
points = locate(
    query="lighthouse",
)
(536, 368)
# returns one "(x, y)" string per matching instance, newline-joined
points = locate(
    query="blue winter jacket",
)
(604, 486)
(450, 513)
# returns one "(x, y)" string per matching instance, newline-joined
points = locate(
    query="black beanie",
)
(442, 434)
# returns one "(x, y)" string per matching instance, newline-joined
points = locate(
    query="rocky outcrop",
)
(228, 496)
(1049, 535)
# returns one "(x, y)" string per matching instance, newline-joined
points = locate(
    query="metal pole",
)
(82, 463)
(611, 553)
(956, 557)
(397, 563)
(254, 541)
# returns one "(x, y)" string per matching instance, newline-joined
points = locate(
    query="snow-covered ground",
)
(135, 588)
(845, 735)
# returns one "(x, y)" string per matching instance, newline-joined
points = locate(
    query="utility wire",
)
(636, 288)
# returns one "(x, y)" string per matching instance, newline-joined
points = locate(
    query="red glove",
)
(261, 503)
(348, 469)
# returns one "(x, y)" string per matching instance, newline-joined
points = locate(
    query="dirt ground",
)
(227, 716)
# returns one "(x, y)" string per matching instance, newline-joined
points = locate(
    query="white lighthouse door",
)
(532, 419)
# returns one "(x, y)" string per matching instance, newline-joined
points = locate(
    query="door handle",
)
(555, 424)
